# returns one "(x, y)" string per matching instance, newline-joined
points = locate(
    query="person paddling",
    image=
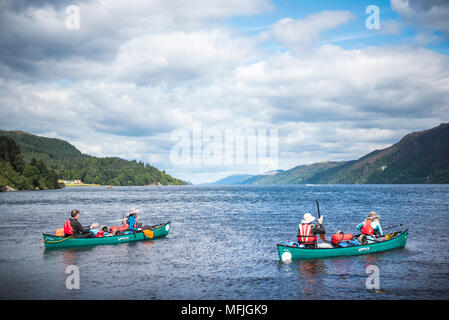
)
(371, 229)
(307, 231)
(73, 227)
(132, 221)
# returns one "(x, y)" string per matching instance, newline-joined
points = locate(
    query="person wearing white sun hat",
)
(307, 231)
(132, 221)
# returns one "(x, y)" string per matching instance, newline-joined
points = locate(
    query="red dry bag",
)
(336, 238)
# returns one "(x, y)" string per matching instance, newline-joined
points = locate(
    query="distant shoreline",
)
(109, 186)
(83, 185)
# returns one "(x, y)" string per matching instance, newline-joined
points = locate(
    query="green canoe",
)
(287, 253)
(53, 242)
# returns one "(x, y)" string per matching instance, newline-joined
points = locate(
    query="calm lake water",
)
(222, 243)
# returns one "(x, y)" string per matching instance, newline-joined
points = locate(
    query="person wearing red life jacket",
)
(307, 232)
(130, 222)
(73, 227)
(371, 229)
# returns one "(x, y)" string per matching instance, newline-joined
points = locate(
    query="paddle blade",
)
(148, 233)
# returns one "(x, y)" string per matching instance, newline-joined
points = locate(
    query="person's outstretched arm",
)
(318, 229)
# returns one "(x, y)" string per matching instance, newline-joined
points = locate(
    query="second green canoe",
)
(53, 242)
(287, 253)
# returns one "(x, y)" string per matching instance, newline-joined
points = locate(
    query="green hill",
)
(297, 175)
(16, 174)
(70, 164)
(232, 180)
(420, 157)
(244, 178)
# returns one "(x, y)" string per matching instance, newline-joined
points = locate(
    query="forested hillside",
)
(16, 174)
(70, 164)
(419, 157)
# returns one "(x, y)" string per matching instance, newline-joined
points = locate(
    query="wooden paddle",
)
(323, 238)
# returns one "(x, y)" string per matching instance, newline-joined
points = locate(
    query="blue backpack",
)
(94, 231)
(349, 243)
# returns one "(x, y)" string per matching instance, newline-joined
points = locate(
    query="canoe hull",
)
(54, 242)
(287, 253)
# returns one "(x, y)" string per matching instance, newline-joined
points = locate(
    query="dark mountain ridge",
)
(419, 157)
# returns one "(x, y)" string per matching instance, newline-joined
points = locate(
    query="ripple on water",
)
(222, 244)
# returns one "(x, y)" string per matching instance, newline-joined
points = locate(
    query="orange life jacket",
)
(367, 228)
(100, 234)
(336, 238)
(305, 236)
(68, 227)
(122, 228)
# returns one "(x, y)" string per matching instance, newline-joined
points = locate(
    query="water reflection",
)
(371, 260)
(311, 268)
(148, 243)
(310, 276)
(49, 252)
(344, 270)
(342, 266)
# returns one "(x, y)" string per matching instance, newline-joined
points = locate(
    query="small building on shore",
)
(70, 181)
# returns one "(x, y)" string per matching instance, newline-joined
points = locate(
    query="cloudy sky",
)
(136, 72)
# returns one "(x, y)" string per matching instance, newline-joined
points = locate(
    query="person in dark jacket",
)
(78, 230)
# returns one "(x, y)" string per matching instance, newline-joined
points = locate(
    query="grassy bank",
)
(82, 185)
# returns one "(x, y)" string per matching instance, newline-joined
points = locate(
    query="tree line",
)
(16, 174)
(69, 163)
(114, 171)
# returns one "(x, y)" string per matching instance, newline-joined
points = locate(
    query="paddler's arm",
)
(378, 228)
(84, 230)
(380, 231)
(360, 226)
(77, 227)
(318, 229)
